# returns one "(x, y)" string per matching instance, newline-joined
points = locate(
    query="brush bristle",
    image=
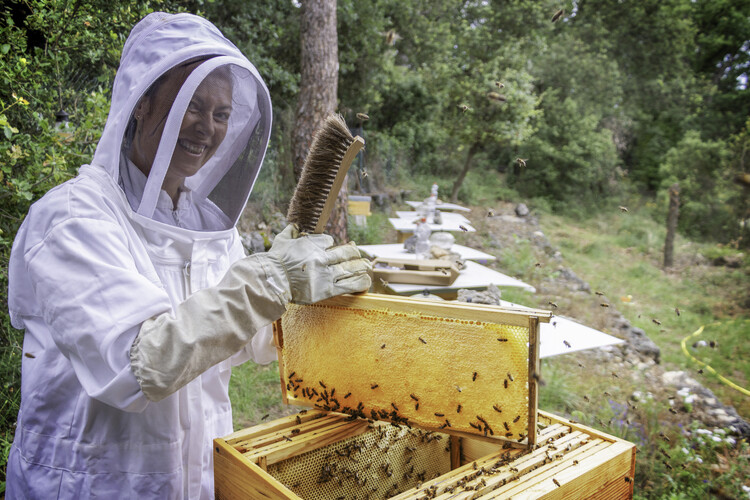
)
(329, 145)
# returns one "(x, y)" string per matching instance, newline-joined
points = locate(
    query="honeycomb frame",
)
(398, 359)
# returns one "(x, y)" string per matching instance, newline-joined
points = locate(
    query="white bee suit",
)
(104, 259)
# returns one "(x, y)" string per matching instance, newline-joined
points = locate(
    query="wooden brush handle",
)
(349, 156)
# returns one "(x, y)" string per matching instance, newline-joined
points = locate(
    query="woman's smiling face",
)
(203, 127)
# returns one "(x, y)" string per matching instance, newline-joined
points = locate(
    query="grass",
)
(620, 255)
(255, 393)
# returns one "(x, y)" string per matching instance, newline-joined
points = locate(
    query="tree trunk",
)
(672, 216)
(319, 60)
(467, 164)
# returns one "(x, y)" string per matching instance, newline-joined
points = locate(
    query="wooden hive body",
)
(386, 376)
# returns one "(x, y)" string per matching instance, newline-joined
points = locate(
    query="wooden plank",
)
(534, 374)
(275, 425)
(583, 428)
(520, 466)
(455, 444)
(278, 340)
(284, 450)
(237, 479)
(593, 473)
(456, 310)
(540, 480)
(317, 427)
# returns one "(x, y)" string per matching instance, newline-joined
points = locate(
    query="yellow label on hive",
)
(426, 370)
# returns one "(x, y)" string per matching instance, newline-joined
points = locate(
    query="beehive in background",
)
(459, 368)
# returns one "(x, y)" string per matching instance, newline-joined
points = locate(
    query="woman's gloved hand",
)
(214, 323)
(315, 269)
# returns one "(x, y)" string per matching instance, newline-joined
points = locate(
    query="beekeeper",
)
(132, 284)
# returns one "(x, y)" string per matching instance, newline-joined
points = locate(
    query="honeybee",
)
(462, 228)
(364, 174)
(394, 406)
(373, 386)
(656, 321)
(497, 408)
(463, 107)
(518, 417)
(567, 344)
(383, 282)
(458, 409)
(362, 117)
(264, 417)
(510, 377)
(490, 213)
(347, 395)
(415, 398)
(505, 383)
(391, 37)
(604, 304)
(474, 377)
(623, 209)
(599, 293)
(521, 162)
(552, 304)
(422, 340)
(586, 398)
(494, 96)
(499, 84)
(556, 18)
(502, 340)
(439, 415)
(677, 311)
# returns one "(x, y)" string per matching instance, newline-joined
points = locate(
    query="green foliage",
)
(570, 160)
(705, 210)
(373, 233)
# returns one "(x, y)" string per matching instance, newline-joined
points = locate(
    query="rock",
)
(707, 407)
(253, 242)
(522, 210)
(731, 261)
(494, 242)
(489, 296)
(278, 222)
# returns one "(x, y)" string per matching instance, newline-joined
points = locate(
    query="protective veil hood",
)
(158, 46)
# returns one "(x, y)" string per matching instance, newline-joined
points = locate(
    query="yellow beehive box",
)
(406, 393)
(328, 456)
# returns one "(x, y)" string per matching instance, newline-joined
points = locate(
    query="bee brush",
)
(331, 154)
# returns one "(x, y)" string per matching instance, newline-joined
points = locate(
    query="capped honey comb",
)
(451, 367)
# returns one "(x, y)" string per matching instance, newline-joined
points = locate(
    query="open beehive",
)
(414, 399)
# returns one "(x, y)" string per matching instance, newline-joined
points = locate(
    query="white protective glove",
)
(216, 322)
(315, 269)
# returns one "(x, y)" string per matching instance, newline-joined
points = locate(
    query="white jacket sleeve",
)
(215, 323)
(94, 298)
